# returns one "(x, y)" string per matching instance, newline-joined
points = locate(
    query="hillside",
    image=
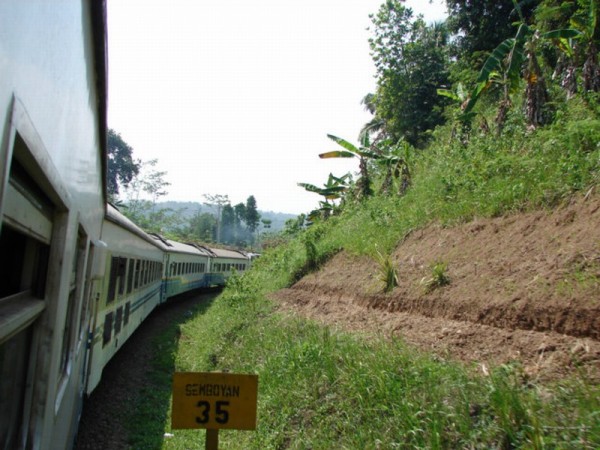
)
(523, 288)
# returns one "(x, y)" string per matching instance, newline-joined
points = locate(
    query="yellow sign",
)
(214, 401)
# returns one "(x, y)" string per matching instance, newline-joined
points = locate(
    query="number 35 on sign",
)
(214, 401)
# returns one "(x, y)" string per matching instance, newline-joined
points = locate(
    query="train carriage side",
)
(225, 262)
(52, 160)
(186, 268)
(128, 291)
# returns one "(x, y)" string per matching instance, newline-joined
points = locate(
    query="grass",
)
(323, 389)
(439, 276)
(388, 274)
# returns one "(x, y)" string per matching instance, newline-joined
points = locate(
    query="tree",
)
(412, 62)
(228, 224)
(203, 227)
(481, 25)
(147, 182)
(218, 201)
(240, 232)
(252, 215)
(121, 167)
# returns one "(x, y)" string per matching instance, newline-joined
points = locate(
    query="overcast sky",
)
(236, 98)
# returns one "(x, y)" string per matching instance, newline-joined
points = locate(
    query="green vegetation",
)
(387, 272)
(324, 389)
(532, 141)
(438, 278)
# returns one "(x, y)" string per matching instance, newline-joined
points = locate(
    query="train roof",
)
(180, 247)
(224, 253)
(115, 216)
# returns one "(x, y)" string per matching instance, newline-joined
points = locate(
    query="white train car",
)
(52, 161)
(225, 262)
(126, 291)
(186, 268)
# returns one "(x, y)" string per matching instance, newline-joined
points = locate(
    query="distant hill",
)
(189, 209)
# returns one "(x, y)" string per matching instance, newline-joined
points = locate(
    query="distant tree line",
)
(135, 186)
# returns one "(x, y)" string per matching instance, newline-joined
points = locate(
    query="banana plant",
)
(394, 161)
(332, 190)
(363, 153)
(586, 29)
(505, 64)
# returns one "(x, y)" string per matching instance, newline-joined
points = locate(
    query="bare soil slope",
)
(522, 288)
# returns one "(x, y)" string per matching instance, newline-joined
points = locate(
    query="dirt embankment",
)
(522, 288)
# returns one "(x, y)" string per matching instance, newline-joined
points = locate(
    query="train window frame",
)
(87, 292)
(76, 289)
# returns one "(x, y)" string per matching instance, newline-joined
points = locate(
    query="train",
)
(78, 277)
(133, 272)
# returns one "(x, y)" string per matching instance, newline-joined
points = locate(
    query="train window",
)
(106, 335)
(142, 272)
(121, 275)
(138, 268)
(118, 319)
(23, 263)
(112, 279)
(14, 362)
(146, 271)
(130, 273)
(173, 269)
(126, 314)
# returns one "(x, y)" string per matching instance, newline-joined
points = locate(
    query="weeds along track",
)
(524, 287)
(106, 411)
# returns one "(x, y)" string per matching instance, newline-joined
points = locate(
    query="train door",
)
(165, 278)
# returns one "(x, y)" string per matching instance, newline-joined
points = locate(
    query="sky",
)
(236, 98)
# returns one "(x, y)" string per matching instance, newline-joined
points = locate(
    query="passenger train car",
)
(77, 276)
(52, 161)
(136, 271)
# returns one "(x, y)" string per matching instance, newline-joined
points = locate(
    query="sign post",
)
(214, 401)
